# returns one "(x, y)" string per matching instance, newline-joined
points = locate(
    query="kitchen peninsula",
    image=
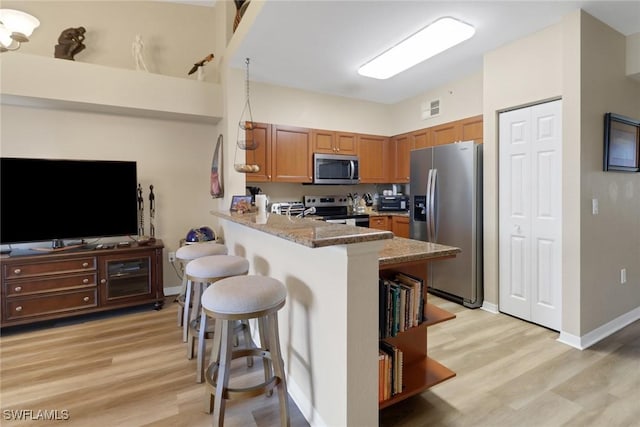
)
(329, 326)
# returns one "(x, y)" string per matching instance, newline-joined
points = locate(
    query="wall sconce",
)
(15, 28)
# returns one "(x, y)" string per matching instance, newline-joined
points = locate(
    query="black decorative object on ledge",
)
(70, 43)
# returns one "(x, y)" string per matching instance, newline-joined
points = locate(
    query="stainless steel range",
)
(335, 209)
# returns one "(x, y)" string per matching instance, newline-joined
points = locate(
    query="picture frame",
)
(621, 143)
(240, 200)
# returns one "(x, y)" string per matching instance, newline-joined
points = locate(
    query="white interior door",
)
(530, 215)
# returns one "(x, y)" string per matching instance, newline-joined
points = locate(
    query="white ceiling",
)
(319, 45)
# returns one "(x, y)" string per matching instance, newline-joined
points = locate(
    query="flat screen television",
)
(53, 199)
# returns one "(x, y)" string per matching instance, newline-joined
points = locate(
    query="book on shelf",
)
(392, 377)
(419, 291)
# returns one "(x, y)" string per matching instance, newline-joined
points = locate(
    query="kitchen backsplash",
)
(286, 192)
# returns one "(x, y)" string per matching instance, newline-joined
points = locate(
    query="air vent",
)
(430, 109)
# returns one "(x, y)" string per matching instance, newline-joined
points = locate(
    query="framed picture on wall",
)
(621, 143)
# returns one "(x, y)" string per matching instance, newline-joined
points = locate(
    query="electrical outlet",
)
(623, 276)
(172, 257)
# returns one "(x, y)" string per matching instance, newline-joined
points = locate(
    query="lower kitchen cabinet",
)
(397, 224)
(400, 226)
(79, 281)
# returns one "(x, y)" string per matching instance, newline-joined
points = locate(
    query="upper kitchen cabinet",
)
(471, 129)
(261, 155)
(291, 154)
(420, 139)
(445, 133)
(332, 142)
(373, 152)
(399, 151)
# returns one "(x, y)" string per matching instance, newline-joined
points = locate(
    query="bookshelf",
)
(420, 372)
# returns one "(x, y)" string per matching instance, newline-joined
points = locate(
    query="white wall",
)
(526, 71)
(174, 156)
(610, 240)
(175, 36)
(458, 99)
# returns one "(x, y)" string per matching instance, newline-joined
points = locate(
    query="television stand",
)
(59, 246)
(54, 285)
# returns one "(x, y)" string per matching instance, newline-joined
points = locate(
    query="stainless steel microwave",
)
(335, 169)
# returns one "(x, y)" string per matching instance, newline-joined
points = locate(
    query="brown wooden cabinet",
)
(81, 281)
(400, 226)
(291, 154)
(374, 158)
(400, 157)
(380, 222)
(471, 129)
(445, 133)
(420, 139)
(332, 142)
(420, 371)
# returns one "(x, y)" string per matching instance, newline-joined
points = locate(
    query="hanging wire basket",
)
(246, 140)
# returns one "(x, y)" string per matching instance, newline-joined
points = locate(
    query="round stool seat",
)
(198, 250)
(244, 295)
(215, 266)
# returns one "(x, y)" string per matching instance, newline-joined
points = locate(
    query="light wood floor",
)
(132, 370)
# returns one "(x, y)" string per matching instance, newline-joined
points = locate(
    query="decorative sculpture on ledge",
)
(138, 56)
(198, 66)
(70, 43)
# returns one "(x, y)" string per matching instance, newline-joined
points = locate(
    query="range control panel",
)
(325, 201)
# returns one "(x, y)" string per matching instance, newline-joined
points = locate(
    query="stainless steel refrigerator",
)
(446, 208)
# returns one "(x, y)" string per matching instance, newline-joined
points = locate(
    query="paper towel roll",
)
(261, 203)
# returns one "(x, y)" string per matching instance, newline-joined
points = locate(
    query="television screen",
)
(47, 199)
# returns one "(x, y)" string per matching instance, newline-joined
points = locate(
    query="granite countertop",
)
(305, 231)
(400, 250)
(315, 233)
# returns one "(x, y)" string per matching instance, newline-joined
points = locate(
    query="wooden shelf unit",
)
(420, 372)
(60, 284)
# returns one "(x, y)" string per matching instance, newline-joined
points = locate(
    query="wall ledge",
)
(39, 81)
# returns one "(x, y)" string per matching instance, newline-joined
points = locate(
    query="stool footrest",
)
(241, 392)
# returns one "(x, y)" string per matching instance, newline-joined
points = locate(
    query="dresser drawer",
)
(19, 308)
(52, 283)
(18, 270)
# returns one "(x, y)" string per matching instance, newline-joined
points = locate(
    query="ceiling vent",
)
(430, 109)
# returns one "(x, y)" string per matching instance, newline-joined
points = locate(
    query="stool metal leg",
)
(264, 344)
(185, 313)
(278, 367)
(201, 347)
(214, 359)
(223, 373)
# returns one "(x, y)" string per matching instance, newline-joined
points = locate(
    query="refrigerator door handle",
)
(427, 205)
(432, 203)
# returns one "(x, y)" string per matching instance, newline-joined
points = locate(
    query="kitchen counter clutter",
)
(305, 231)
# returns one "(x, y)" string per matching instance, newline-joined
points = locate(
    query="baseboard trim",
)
(304, 405)
(587, 340)
(173, 290)
(490, 307)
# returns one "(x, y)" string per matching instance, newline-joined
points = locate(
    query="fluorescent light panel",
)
(435, 38)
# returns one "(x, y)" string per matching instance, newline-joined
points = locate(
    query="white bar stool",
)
(200, 273)
(243, 298)
(184, 255)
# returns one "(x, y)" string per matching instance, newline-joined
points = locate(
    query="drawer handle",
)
(19, 308)
(85, 281)
(17, 271)
(85, 299)
(17, 288)
(103, 281)
(85, 264)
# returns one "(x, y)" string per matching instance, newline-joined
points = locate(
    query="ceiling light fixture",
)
(15, 28)
(435, 38)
